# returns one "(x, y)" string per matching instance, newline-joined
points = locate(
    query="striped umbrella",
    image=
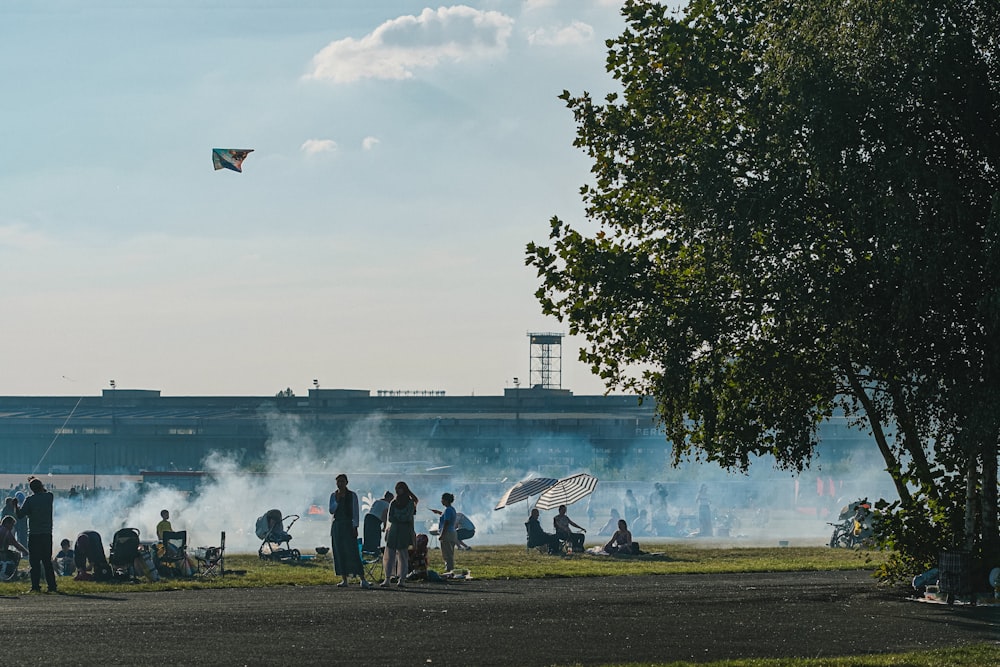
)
(567, 491)
(524, 490)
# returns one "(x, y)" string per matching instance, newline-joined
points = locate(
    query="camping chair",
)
(212, 560)
(551, 545)
(372, 549)
(173, 554)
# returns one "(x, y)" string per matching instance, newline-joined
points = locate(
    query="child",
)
(65, 560)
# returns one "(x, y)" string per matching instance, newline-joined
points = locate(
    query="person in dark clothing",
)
(538, 537)
(345, 508)
(38, 509)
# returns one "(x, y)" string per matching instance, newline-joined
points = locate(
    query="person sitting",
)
(10, 549)
(538, 537)
(164, 525)
(621, 541)
(611, 525)
(561, 522)
(65, 561)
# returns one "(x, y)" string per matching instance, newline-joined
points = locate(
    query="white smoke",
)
(297, 473)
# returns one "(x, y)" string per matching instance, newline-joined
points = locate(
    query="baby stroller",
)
(271, 529)
(124, 551)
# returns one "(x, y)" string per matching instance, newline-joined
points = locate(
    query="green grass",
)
(516, 563)
(978, 655)
(513, 562)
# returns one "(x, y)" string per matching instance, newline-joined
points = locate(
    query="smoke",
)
(296, 475)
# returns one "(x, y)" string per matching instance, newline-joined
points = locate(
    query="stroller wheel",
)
(296, 554)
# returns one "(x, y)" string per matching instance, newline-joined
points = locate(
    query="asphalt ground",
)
(555, 621)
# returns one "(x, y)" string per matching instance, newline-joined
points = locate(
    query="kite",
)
(230, 158)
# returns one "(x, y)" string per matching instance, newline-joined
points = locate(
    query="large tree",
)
(797, 212)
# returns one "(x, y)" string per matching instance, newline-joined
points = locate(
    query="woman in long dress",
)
(399, 535)
(346, 511)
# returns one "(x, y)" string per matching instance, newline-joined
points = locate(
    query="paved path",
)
(589, 621)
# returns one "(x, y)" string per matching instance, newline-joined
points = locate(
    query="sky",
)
(404, 155)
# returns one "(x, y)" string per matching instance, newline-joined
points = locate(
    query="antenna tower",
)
(545, 360)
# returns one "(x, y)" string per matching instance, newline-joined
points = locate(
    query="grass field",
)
(514, 562)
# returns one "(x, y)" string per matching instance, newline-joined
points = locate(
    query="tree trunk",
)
(971, 504)
(912, 442)
(991, 530)
(892, 464)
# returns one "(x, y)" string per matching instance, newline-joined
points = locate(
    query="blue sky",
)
(405, 153)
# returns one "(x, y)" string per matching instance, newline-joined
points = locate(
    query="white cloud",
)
(398, 47)
(369, 143)
(316, 146)
(576, 32)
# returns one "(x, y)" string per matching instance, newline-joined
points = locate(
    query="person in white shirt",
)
(466, 530)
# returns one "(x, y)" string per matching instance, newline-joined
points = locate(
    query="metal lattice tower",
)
(545, 360)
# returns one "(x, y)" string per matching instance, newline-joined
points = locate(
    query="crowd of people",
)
(396, 512)
(26, 530)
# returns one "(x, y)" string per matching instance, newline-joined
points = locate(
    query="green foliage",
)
(797, 212)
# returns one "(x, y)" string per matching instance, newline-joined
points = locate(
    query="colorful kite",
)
(230, 158)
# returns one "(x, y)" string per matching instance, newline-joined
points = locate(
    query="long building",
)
(126, 431)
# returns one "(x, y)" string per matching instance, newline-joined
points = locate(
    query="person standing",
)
(399, 535)
(447, 535)
(38, 509)
(346, 511)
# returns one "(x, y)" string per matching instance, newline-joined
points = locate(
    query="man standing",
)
(38, 509)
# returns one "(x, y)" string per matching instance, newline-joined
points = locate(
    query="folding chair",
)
(372, 549)
(546, 543)
(212, 560)
(173, 554)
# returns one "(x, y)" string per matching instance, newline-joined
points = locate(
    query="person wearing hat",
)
(38, 509)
